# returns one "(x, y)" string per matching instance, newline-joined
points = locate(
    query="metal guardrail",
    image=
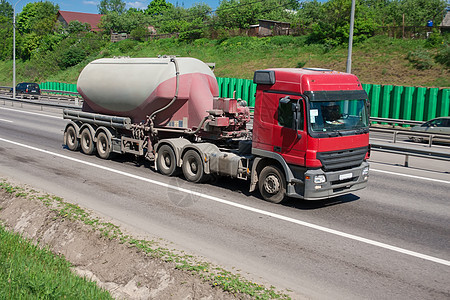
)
(41, 103)
(395, 121)
(410, 151)
(417, 136)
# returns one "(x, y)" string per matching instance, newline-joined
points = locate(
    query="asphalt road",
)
(390, 240)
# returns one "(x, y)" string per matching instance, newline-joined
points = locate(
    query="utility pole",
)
(14, 50)
(350, 38)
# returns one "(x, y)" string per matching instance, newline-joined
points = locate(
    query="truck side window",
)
(286, 114)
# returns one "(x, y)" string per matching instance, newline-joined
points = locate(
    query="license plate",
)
(345, 176)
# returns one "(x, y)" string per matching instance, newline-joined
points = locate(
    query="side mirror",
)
(296, 110)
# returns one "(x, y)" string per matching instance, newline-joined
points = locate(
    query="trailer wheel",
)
(103, 145)
(167, 161)
(193, 167)
(272, 184)
(87, 142)
(71, 139)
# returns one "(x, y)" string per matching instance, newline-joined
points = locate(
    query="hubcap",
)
(272, 184)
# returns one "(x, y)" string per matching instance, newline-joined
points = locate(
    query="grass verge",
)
(27, 271)
(217, 277)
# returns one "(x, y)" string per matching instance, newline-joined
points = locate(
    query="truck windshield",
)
(331, 116)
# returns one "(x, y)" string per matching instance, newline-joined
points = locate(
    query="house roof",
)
(446, 21)
(92, 19)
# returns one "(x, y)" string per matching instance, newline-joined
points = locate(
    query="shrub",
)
(443, 56)
(420, 59)
(71, 57)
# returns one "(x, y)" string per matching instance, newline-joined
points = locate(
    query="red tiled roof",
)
(92, 19)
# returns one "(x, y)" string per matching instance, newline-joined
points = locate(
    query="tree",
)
(6, 9)
(76, 26)
(334, 25)
(38, 17)
(243, 13)
(115, 22)
(108, 6)
(157, 7)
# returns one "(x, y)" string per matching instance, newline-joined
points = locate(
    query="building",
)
(270, 28)
(445, 24)
(65, 17)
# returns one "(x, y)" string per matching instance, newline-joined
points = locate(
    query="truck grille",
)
(342, 159)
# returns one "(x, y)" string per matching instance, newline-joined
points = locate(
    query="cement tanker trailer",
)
(309, 137)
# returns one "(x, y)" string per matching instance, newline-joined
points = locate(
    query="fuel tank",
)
(137, 87)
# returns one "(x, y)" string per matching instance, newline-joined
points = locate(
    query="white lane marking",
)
(32, 113)
(244, 207)
(410, 176)
(7, 121)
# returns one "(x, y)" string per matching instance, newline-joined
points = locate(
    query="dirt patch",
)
(125, 271)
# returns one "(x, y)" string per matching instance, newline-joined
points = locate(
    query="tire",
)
(86, 141)
(167, 161)
(103, 145)
(72, 142)
(272, 184)
(193, 168)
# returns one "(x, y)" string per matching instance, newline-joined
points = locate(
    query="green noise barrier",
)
(386, 101)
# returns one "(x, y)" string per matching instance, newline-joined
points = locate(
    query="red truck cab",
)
(310, 134)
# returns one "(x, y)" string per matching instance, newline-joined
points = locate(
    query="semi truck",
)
(307, 137)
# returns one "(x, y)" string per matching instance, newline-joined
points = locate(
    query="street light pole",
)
(14, 50)
(350, 38)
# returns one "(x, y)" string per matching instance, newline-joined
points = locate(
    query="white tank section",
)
(136, 87)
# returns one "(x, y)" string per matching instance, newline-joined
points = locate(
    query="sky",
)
(90, 6)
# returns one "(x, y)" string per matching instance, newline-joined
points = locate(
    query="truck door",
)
(287, 141)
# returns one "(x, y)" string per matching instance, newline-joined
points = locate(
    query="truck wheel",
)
(167, 161)
(71, 139)
(272, 184)
(193, 167)
(87, 143)
(103, 145)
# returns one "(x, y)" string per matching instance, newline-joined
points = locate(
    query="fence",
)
(387, 101)
(58, 86)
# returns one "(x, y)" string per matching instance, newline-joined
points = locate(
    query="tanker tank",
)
(138, 87)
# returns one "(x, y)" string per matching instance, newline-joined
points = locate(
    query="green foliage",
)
(6, 37)
(76, 26)
(108, 6)
(123, 23)
(72, 56)
(6, 9)
(28, 272)
(157, 7)
(37, 17)
(443, 56)
(420, 59)
(139, 33)
(333, 27)
(243, 13)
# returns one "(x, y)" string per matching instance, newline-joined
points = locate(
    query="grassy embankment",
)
(29, 272)
(378, 60)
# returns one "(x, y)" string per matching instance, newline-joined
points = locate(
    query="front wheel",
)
(272, 184)
(166, 161)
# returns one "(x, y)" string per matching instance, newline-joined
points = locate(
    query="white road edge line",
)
(245, 207)
(410, 176)
(32, 113)
(7, 121)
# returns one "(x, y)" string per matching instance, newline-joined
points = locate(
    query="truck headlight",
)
(319, 179)
(365, 173)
